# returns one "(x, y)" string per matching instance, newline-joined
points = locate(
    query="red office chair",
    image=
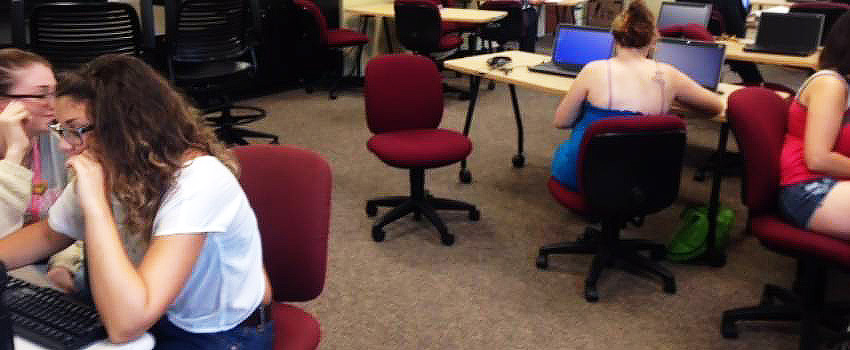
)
(293, 212)
(691, 31)
(758, 120)
(317, 38)
(830, 11)
(628, 168)
(404, 115)
(419, 28)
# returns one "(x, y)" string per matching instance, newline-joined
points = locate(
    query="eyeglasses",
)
(73, 136)
(44, 96)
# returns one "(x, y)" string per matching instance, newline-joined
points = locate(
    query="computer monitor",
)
(701, 61)
(677, 13)
(578, 45)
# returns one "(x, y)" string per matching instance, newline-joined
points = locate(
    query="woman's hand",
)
(12, 135)
(90, 182)
(62, 278)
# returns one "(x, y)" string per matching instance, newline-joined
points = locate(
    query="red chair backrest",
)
(290, 192)
(688, 31)
(402, 92)
(419, 26)
(758, 118)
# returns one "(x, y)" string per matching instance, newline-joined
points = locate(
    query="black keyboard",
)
(50, 318)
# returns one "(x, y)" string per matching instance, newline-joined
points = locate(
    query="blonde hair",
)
(12, 60)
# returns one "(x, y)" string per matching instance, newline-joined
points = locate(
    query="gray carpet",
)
(484, 292)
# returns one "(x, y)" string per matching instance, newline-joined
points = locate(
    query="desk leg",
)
(387, 35)
(519, 158)
(474, 82)
(712, 256)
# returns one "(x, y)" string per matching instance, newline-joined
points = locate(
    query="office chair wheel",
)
(465, 176)
(542, 262)
(474, 215)
(371, 210)
(447, 239)
(378, 234)
(591, 294)
(728, 329)
(417, 215)
(519, 161)
(491, 85)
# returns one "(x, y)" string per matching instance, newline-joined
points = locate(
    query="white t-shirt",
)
(227, 282)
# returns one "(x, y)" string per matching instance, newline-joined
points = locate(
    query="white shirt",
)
(227, 282)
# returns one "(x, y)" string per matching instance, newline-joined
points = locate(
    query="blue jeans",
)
(798, 202)
(170, 337)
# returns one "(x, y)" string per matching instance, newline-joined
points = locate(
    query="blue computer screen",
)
(702, 63)
(683, 13)
(577, 45)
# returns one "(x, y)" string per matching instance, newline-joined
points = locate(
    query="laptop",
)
(701, 61)
(678, 13)
(574, 47)
(788, 33)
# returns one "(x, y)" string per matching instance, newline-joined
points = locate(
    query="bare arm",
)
(570, 106)
(129, 299)
(690, 93)
(31, 243)
(825, 99)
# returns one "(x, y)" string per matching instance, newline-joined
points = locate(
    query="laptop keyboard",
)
(50, 318)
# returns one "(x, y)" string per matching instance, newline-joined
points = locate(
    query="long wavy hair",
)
(143, 131)
(836, 47)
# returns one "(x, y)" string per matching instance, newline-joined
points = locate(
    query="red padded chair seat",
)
(346, 37)
(572, 200)
(776, 234)
(294, 328)
(690, 31)
(420, 148)
(450, 41)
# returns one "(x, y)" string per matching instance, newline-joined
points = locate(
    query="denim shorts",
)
(798, 202)
(170, 337)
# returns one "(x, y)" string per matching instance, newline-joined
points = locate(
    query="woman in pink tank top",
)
(815, 159)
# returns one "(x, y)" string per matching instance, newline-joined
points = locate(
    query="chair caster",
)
(417, 216)
(590, 294)
(519, 161)
(371, 210)
(728, 329)
(333, 97)
(474, 215)
(447, 239)
(670, 287)
(491, 85)
(465, 176)
(542, 262)
(378, 234)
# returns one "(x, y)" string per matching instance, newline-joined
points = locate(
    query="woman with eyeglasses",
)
(147, 171)
(32, 168)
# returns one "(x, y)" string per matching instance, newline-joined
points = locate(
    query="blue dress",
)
(564, 166)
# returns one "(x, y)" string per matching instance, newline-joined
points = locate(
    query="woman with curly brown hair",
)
(149, 176)
(627, 84)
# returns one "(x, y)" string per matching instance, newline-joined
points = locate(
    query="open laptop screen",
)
(675, 13)
(789, 30)
(702, 61)
(578, 45)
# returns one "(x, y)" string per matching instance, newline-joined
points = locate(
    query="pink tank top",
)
(793, 167)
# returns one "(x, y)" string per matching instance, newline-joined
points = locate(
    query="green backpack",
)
(689, 240)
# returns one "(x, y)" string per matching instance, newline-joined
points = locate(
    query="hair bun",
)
(635, 26)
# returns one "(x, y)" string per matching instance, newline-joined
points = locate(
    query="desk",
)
(37, 276)
(735, 51)
(476, 67)
(387, 10)
(762, 3)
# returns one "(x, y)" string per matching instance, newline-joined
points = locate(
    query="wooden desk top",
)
(763, 3)
(566, 3)
(548, 83)
(447, 14)
(734, 51)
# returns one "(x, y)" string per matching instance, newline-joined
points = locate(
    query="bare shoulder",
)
(825, 86)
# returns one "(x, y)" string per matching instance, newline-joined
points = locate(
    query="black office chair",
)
(209, 54)
(419, 28)
(70, 34)
(628, 168)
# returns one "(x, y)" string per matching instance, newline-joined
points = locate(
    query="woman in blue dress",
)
(628, 84)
